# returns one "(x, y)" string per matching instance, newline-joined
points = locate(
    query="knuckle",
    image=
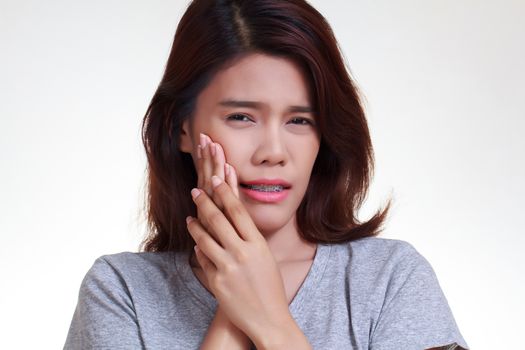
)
(217, 200)
(206, 225)
(201, 241)
(215, 219)
(222, 188)
(217, 281)
(241, 256)
(260, 244)
(229, 268)
(236, 211)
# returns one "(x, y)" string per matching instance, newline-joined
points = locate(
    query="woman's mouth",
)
(265, 193)
(264, 188)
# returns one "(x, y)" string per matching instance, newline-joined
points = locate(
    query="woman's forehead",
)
(258, 81)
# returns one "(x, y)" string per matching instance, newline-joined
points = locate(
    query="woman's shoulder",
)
(379, 249)
(126, 268)
(382, 262)
(401, 288)
(131, 259)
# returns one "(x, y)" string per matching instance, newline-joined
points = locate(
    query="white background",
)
(444, 91)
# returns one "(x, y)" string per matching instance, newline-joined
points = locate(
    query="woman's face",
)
(263, 141)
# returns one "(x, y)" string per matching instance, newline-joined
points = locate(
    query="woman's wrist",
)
(223, 334)
(289, 336)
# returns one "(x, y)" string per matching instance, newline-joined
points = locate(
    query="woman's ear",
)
(186, 143)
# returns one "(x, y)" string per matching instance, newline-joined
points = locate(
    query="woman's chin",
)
(268, 222)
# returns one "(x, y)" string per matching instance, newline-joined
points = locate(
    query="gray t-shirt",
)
(372, 293)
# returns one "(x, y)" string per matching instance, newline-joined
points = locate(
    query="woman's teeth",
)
(265, 188)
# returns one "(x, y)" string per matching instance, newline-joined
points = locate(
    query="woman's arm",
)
(289, 336)
(223, 334)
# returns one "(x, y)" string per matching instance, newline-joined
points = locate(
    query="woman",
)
(257, 117)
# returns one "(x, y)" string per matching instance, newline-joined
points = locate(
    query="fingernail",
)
(202, 140)
(188, 219)
(227, 169)
(195, 192)
(213, 149)
(215, 180)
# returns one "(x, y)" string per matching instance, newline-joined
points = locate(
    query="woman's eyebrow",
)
(260, 105)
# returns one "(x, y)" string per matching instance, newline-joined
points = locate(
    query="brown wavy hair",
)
(213, 34)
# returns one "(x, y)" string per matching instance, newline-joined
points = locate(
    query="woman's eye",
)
(297, 120)
(303, 121)
(238, 117)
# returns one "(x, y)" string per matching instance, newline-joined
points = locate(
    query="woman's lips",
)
(265, 197)
(263, 181)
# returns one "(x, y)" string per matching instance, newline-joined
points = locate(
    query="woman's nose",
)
(270, 147)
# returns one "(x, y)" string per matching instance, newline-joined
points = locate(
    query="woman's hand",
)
(239, 266)
(222, 333)
(211, 160)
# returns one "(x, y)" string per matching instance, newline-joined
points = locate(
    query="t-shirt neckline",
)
(306, 289)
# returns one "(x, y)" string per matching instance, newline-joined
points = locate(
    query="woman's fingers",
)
(237, 215)
(205, 263)
(206, 166)
(231, 178)
(204, 172)
(212, 161)
(219, 223)
(210, 247)
(199, 166)
(218, 160)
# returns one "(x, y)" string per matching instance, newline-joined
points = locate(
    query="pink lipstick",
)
(266, 190)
